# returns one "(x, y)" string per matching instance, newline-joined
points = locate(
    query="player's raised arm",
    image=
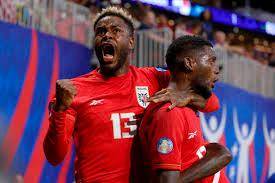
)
(61, 123)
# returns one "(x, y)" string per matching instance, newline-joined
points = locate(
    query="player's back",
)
(171, 140)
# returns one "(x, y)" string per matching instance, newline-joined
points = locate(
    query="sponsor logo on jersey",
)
(96, 102)
(142, 93)
(192, 135)
(165, 145)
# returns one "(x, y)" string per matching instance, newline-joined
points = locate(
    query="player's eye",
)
(100, 31)
(116, 30)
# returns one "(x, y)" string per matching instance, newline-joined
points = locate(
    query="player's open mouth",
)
(108, 52)
(213, 83)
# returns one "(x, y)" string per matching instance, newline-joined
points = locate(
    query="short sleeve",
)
(166, 140)
(212, 104)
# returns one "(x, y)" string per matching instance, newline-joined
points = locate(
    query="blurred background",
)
(44, 40)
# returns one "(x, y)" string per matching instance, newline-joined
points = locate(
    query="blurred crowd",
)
(76, 25)
(256, 46)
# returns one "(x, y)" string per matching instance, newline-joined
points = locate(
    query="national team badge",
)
(142, 93)
(165, 145)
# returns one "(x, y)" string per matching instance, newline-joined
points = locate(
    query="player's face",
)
(206, 72)
(112, 44)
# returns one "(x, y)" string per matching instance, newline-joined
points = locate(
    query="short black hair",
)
(119, 12)
(183, 45)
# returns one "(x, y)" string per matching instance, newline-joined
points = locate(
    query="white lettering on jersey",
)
(192, 135)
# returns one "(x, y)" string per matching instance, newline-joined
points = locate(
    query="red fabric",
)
(181, 126)
(101, 107)
(212, 104)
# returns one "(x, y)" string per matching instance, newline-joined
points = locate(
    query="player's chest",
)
(125, 95)
(113, 112)
(194, 136)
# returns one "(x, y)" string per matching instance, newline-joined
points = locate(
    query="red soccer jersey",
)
(172, 140)
(98, 122)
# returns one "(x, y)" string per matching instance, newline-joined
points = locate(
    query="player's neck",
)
(180, 82)
(121, 71)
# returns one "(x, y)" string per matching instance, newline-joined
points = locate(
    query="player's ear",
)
(132, 42)
(189, 63)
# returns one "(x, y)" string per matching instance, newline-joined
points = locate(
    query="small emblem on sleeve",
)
(165, 145)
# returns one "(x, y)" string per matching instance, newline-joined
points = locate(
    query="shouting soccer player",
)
(99, 110)
(172, 142)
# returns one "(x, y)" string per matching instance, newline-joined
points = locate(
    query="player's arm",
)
(61, 123)
(216, 157)
(179, 98)
(184, 98)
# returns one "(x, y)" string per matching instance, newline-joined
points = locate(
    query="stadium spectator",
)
(220, 39)
(163, 22)
(272, 56)
(207, 26)
(195, 27)
(180, 28)
(148, 20)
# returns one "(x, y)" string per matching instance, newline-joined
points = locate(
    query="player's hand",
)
(177, 98)
(65, 93)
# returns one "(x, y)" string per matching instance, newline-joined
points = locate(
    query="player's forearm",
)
(164, 176)
(215, 159)
(57, 140)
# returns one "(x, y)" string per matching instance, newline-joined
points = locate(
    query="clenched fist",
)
(65, 93)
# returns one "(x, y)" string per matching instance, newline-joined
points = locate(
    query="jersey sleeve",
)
(158, 76)
(166, 140)
(212, 104)
(59, 134)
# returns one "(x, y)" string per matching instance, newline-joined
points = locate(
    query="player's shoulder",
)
(84, 78)
(180, 113)
(161, 111)
(152, 69)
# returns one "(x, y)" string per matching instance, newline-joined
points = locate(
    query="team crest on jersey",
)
(142, 93)
(165, 145)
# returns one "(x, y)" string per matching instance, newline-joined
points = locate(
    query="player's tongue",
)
(108, 53)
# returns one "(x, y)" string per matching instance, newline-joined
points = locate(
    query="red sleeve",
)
(212, 104)
(166, 140)
(59, 135)
(159, 75)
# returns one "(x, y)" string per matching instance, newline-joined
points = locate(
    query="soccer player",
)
(173, 148)
(99, 110)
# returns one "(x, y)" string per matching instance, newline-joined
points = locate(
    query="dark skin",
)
(201, 64)
(114, 31)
